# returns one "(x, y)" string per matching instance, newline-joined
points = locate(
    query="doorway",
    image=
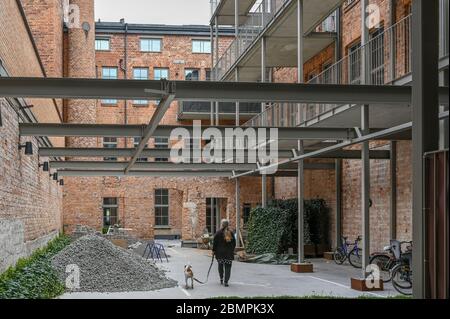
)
(212, 214)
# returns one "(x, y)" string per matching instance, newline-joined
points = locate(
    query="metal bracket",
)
(167, 87)
(294, 152)
(358, 132)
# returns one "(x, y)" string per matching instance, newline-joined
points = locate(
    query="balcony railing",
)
(225, 108)
(388, 56)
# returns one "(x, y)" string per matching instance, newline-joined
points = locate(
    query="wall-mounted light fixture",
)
(28, 146)
(61, 182)
(55, 176)
(44, 166)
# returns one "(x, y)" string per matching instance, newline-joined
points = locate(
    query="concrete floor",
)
(247, 280)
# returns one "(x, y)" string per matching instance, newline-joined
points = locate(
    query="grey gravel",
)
(105, 267)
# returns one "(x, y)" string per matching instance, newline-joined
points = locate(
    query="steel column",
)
(300, 41)
(263, 190)
(425, 118)
(393, 201)
(338, 181)
(301, 207)
(237, 103)
(238, 212)
(263, 67)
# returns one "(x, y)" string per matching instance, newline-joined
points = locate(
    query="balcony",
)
(277, 21)
(388, 56)
(202, 110)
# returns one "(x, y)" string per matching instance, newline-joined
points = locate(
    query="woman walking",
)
(223, 249)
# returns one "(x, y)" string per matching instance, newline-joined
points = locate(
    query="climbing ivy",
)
(275, 229)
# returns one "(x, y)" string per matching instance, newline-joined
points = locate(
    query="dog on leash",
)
(189, 276)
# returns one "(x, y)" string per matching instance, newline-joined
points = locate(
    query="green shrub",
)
(33, 277)
(275, 229)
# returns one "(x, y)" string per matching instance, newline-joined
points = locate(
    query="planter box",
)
(360, 285)
(302, 268)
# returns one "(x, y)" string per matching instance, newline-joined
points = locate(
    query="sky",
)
(154, 11)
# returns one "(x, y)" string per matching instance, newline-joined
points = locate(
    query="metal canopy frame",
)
(71, 88)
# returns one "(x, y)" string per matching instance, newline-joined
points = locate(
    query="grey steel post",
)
(425, 128)
(393, 202)
(365, 157)
(213, 69)
(338, 180)
(237, 103)
(263, 190)
(236, 26)
(263, 67)
(393, 36)
(216, 106)
(238, 212)
(300, 177)
(300, 198)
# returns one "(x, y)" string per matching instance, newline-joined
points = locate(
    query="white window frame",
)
(151, 47)
(102, 40)
(203, 45)
(167, 206)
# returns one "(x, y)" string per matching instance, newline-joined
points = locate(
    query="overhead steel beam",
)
(163, 166)
(120, 173)
(369, 137)
(208, 91)
(163, 106)
(118, 130)
(165, 153)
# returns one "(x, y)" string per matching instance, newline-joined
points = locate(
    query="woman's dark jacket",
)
(223, 249)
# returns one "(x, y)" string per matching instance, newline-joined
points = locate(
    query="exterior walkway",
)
(247, 280)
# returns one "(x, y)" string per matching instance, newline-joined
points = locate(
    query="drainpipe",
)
(125, 71)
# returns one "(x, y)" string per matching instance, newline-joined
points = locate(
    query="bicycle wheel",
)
(402, 279)
(339, 256)
(355, 257)
(383, 263)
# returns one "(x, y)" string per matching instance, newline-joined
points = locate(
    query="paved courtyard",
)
(247, 280)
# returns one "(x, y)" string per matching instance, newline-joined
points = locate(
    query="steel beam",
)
(264, 190)
(163, 166)
(208, 91)
(113, 130)
(369, 137)
(425, 106)
(165, 153)
(162, 108)
(120, 173)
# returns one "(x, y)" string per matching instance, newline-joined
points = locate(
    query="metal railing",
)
(388, 56)
(188, 107)
(259, 17)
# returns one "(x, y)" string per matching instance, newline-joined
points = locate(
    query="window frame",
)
(109, 77)
(201, 46)
(110, 207)
(162, 206)
(186, 70)
(151, 50)
(98, 39)
(161, 145)
(113, 145)
(141, 102)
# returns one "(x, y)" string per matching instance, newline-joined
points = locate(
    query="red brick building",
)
(35, 41)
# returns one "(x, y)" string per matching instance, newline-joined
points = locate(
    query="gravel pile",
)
(105, 267)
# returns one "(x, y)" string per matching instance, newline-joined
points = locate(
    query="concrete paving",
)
(247, 280)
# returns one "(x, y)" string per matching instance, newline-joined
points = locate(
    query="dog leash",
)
(209, 270)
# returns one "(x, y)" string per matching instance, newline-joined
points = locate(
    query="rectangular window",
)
(354, 71)
(161, 207)
(101, 44)
(201, 46)
(207, 74)
(246, 209)
(161, 143)
(136, 142)
(151, 45)
(110, 211)
(110, 142)
(191, 74)
(109, 73)
(161, 73)
(140, 74)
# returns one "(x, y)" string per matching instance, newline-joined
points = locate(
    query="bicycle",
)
(387, 260)
(354, 256)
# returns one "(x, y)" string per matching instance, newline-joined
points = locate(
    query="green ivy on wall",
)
(275, 229)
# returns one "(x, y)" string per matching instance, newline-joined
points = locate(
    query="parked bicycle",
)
(395, 264)
(354, 255)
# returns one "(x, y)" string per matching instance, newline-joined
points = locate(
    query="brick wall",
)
(30, 201)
